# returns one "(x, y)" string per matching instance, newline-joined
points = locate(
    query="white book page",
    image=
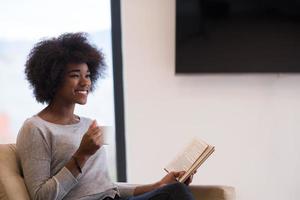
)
(184, 160)
(209, 150)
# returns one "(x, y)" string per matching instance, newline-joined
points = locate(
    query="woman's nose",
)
(85, 81)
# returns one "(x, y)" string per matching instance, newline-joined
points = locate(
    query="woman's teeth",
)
(82, 92)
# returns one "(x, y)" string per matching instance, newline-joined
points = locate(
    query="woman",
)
(61, 153)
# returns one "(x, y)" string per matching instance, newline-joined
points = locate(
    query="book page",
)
(184, 160)
(209, 150)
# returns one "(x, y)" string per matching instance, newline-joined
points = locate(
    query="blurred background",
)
(252, 119)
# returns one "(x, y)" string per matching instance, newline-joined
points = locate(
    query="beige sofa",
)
(12, 184)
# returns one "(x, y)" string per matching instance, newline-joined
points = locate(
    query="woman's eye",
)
(74, 75)
(88, 76)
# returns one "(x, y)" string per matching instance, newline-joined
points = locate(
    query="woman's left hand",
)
(190, 179)
(171, 177)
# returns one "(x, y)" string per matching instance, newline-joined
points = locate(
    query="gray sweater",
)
(44, 148)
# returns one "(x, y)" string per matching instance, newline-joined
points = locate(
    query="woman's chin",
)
(82, 102)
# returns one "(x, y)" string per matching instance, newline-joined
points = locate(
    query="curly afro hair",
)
(47, 61)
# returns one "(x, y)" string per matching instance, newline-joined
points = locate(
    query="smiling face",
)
(76, 84)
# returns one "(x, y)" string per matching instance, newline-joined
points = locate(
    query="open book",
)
(190, 159)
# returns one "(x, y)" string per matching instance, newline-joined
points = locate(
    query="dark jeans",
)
(175, 191)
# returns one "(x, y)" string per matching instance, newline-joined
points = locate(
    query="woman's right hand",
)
(91, 141)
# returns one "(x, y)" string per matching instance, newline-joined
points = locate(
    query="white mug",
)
(106, 131)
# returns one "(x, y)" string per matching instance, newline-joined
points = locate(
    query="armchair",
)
(12, 185)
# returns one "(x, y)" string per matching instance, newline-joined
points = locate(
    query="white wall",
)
(253, 120)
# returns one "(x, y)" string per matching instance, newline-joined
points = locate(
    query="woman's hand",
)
(171, 177)
(167, 179)
(189, 180)
(91, 141)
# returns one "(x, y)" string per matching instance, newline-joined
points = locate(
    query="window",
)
(24, 23)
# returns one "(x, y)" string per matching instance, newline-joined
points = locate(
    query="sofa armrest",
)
(205, 192)
(12, 185)
(213, 192)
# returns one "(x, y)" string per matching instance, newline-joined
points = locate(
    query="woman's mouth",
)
(82, 92)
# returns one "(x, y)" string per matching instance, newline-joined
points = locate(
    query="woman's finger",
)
(178, 174)
(96, 131)
(189, 180)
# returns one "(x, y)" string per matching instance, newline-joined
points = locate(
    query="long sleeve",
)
(35, 156)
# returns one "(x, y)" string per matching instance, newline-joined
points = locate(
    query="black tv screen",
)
(237, 36)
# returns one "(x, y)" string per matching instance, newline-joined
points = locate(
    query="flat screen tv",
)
(237, 36)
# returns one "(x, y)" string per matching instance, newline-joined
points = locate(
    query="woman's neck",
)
(59, 114)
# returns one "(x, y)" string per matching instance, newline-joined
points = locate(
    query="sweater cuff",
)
(125, 189)
(65, 181)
